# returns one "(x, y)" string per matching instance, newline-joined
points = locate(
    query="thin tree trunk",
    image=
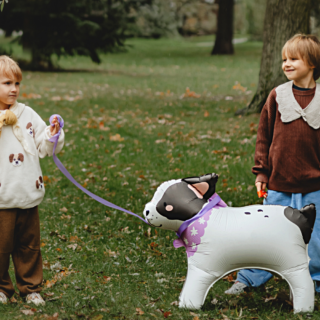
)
(283, 19)
(223, 43)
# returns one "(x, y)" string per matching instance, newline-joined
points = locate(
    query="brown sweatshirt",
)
(287, 155)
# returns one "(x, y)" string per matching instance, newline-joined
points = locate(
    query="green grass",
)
(112, 261)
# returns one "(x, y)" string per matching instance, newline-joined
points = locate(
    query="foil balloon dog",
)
(220, 239)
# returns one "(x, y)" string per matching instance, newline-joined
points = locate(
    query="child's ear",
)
(205, 185)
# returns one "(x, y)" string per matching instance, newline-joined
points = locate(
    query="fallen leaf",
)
(27, 312)
(189, 94)
(49, 294)
(64, 209)
(116, 137)
(74, 239)
(46, 179)
(166, 314)
(206, 114)
(238, 86)
(270, 298)
(174, 303)
(72, 246)
(139, 311)
(102, 127)
(193, 314)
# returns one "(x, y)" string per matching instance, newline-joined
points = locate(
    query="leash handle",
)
(61, 167)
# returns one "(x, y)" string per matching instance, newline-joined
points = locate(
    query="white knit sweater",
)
(21, 182)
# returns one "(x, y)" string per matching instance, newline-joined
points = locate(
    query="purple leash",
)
(61, 167)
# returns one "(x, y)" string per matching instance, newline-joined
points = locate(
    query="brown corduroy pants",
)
(20, 237)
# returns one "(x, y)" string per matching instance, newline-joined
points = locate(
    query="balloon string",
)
(61, 167)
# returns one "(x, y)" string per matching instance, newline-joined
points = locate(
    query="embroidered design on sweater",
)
(16, 159)
(30, 129)
(39, 183)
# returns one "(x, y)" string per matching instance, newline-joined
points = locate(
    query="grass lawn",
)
(131, 123)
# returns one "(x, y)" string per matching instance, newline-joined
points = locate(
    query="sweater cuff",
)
(261, 177)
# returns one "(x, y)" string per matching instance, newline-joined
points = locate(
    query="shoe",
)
(3, 298)
(35, 298)
(237, 288)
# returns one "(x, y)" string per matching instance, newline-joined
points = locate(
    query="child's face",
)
(296, 69)
(9, 91)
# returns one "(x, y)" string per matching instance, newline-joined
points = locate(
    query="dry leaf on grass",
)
(238, 86)
(193, 314)
(167, 314)
(64, 209)
(139, 312)
(116, 137)
(27, 312)
(174, 303)
(72, 246)
(270, 298)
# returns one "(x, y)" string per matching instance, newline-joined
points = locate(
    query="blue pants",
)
(257, 277)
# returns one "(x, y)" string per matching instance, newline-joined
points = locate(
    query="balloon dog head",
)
(176, 201)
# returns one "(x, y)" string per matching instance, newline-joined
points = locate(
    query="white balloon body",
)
(257, 236)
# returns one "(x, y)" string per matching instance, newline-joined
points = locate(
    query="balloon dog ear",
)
(205, 185)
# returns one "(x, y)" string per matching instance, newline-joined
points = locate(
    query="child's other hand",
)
(54, 129)
(261, 187)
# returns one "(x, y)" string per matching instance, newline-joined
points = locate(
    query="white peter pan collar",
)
(290, 109)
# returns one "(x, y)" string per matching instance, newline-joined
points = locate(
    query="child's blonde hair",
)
(307, 47)
(10, 68)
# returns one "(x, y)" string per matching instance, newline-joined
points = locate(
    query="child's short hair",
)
(307, 47)
(10, 68)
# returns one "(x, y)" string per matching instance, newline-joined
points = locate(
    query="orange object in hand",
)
(261, 193)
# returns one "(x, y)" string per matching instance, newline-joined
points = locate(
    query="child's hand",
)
(56, 126)
(261, 187)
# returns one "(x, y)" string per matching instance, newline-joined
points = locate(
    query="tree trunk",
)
(283, 19)
(223, 43)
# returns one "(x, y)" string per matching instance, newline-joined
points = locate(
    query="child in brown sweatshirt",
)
(287, 156)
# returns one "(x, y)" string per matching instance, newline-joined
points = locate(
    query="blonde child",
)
(287, 156)
(23, 139)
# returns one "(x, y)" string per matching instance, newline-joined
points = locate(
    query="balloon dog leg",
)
(303, 296)
(195, 288)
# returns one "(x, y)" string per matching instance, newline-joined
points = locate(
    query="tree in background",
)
(223, 43)
(283, 19)
(82, 27)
